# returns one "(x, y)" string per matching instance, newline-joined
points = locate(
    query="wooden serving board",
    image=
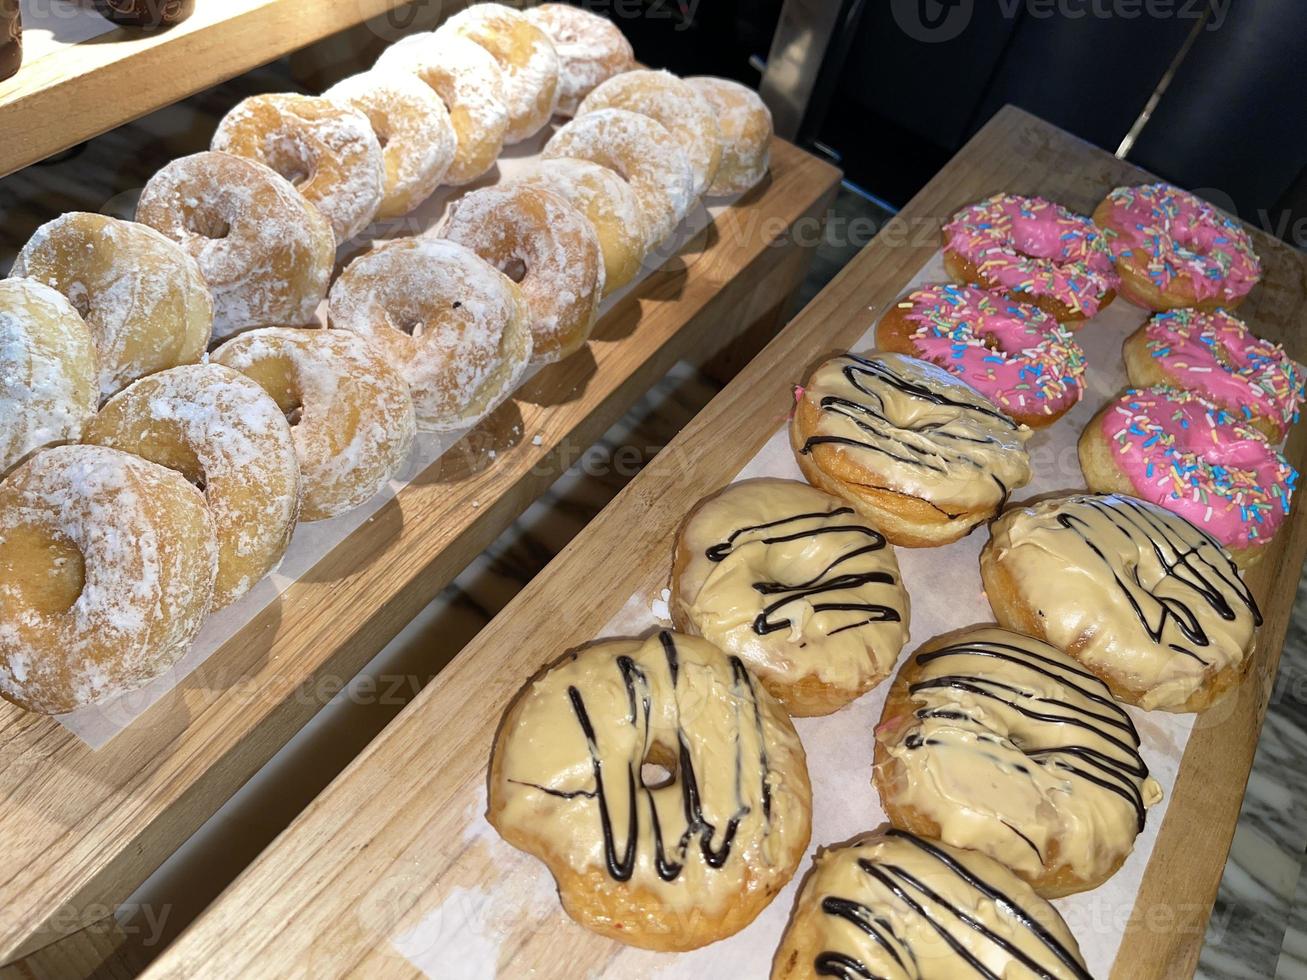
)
(398, 834)
(82, 75)
(81, 829)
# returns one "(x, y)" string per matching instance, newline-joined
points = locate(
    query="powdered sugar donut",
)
(677, 105)
(1175, 250)
(590, 49)
(455, 327)
(1034, 250)
(1017, 356)
(1216, 355)
(417, 137)
(327, 150)
(1175, 449)
(471, 84)
(744, 127)
(107, 563)
(141, 295)
(265, 252)
(546, 245)
(525, 54)
(642, 152)
(223, 433)
(350, 412)
(611, 207)
(48, 385)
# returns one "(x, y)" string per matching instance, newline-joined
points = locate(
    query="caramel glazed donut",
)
(890, 904)
(921, 453)
(1148, 602)
(223, 433)
(265, 252)
(1000, 743)
(668, 864)
(793, 582)
(107, 565)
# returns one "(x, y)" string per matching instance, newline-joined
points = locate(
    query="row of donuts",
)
(1007, 768)
(279, 424)
(1209, 400)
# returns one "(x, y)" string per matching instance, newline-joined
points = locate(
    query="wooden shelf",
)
(81, 829)
(82, 76)
(396, 836)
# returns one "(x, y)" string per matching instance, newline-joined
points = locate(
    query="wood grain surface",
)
(81, 829)
(394, 837)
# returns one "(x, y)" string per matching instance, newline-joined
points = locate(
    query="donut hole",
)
(514, 268)
(292, 160)
(658, 769)
(44, 571)
(80, 297)
(207, 224)
(277, 376)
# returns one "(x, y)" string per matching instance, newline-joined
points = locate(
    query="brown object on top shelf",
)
(145, 13)
(395, 838)
(11, 38)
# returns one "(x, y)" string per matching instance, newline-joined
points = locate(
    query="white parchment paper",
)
(945, 590)
(98, 724)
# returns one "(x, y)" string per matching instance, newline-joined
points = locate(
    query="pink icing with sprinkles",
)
(1178, 235)
(1017, 355)
(1217, 354)
(1033, 246)
(1184, 453)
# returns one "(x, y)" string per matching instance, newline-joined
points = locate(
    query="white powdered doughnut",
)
(537, 233)
(525, 54)
(471, 84)
(351, 413)
(680, 108)
(591, 49)
(457, 328)
(223, 432)
(327, 150)
(643, 153)
(611, 207)
(107, 563)
(143, 298)
(745, 127)
(416, 134)
(47, 370)
(266, 253)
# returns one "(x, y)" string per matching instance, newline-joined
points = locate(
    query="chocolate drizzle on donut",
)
(869, 415)
(952, 922)
(1120, 772)
(669, 861)
(1203, 569)
(824, 581)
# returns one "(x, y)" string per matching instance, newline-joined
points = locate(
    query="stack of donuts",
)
(170, 408)
(662, 780)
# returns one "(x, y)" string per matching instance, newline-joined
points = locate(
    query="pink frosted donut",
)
(1174, 250)
(1176, 449)
(1034, 250)
(1216, 355)
(1016, 355)
(590, 49)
